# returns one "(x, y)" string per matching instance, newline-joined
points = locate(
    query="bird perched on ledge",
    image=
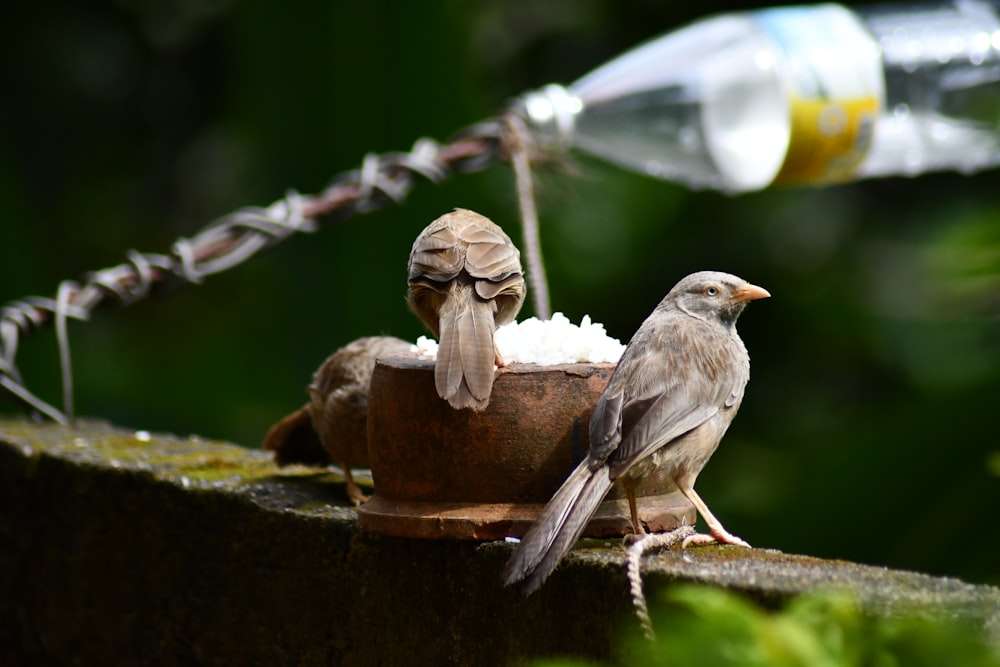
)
(465, 279)
(333, 425)
(667, 405)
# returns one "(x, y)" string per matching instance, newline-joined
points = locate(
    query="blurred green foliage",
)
(869, 420)
(710, 626)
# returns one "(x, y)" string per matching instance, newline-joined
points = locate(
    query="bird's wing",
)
(635, 418)
(436, 255)
(661, 420)
(606, 424)
(512, 285)
(491, 254)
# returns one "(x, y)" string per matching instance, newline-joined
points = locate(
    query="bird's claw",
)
(633, 538)
(739, 542)
(698, 539)
(357, 496)
(723, 537)
(720, 537)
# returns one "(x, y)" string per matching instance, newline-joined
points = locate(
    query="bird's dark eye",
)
(712, 291)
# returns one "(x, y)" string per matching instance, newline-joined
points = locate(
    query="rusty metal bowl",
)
(458, 474)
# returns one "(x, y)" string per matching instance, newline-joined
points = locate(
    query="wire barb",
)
(232, 240)
(63, 295)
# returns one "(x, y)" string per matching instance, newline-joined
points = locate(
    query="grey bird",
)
(465, 279)
(333, 425)
(667, 405)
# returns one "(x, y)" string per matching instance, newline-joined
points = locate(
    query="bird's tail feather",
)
(463, 373)
(558, 527)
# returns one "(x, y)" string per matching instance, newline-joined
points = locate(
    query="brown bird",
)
(333, 425)
(667, 405)
(465, 279)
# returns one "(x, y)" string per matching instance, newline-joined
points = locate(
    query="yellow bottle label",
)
(829, 139)
(831, 69)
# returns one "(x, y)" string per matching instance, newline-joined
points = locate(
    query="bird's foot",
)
(697, 540)
(638, 533)
(716, 537)
(723, 537)
(632, 538)
(357, 497)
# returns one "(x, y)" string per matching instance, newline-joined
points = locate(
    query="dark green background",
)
(868, 428)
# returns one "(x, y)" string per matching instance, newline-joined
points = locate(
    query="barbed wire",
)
(230, 241)
(633, 569)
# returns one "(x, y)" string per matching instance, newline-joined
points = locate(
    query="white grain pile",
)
(548, 342)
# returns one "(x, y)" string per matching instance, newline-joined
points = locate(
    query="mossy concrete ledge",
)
(123, 547)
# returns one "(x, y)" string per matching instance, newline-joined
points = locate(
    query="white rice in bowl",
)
(548, 342)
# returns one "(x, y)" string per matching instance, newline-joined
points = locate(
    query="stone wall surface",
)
(123, 547)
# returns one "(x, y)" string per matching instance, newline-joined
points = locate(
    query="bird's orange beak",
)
(750, 293)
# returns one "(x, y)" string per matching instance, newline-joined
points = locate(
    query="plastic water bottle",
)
(807, 94)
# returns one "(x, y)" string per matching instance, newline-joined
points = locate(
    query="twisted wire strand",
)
(633, 562)
(520, 147)
(230, 241)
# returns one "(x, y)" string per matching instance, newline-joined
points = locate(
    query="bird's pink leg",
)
(718, 533)
(354, 492)
(638, 530)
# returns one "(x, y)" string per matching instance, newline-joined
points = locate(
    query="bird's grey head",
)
(714, 296)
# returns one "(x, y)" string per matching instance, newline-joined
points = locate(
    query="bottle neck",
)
(551, 113)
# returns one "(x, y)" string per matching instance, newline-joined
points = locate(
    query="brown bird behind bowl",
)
(332, 426)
